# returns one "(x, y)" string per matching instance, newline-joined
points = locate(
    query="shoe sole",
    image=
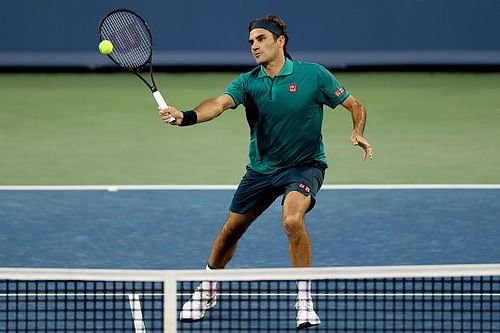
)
(190, 320)
(307, 324)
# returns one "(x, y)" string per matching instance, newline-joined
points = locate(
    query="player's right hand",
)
(170, 112)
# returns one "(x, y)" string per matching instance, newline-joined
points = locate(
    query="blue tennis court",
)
(173, 229)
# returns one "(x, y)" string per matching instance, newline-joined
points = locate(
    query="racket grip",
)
(161, 103)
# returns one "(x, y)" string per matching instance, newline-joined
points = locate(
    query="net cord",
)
(245, 274)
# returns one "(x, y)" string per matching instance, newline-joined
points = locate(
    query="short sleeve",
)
(332, 92)
(236, 89)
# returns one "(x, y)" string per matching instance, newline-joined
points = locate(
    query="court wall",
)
(340, 33)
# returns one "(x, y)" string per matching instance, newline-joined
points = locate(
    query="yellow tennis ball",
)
(105, 47)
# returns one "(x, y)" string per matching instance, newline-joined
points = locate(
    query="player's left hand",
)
(359, 140)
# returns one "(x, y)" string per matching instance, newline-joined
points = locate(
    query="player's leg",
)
(295, 207)
(223, 248)
(253, 196)
(225, 242)
(303, 183)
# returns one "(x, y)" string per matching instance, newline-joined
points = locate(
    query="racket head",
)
(131, 38)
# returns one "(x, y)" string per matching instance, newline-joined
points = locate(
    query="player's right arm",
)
(206, 111)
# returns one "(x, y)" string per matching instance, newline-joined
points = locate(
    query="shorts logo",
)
(304, 187)
(339, 91)
(292, 88)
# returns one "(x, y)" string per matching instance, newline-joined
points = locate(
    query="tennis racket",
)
(132, 46)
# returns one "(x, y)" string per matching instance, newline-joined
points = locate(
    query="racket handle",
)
(161, 103)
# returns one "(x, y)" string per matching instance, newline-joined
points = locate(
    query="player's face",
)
(264, 47)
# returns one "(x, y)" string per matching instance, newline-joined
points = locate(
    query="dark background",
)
(339, 33)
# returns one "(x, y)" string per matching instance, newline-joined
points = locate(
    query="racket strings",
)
(132, 42)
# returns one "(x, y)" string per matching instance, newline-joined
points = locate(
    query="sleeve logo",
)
(339, 91)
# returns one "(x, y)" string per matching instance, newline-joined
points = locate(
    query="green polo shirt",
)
(285, 114)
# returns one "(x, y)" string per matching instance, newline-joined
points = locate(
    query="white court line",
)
(136, 311)
(114, 188)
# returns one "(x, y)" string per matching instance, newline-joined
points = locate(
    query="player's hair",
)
(277, 21)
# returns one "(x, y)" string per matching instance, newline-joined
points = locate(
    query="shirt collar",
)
(286, 70)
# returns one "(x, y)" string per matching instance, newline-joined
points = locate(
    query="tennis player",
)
(284, 101)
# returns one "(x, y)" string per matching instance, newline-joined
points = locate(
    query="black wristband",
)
(190, 118)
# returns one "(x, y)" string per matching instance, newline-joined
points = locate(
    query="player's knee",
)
(231, 232)
(293, 224)
(234, 228)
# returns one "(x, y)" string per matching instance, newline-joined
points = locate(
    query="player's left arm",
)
(358, 113)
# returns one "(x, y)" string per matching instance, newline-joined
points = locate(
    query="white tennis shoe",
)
(306, 316)
(201, 301)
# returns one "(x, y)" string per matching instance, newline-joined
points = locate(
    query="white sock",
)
(304, 290)
(209, 285)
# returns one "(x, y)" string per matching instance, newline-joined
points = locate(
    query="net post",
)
(169, 303)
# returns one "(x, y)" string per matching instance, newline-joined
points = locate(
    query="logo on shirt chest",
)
(292, 88)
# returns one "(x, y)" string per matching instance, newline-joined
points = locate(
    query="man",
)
(284, 108)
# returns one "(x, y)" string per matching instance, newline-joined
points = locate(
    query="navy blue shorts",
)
(258, 191)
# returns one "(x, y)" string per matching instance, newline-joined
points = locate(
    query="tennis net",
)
(446, 298)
